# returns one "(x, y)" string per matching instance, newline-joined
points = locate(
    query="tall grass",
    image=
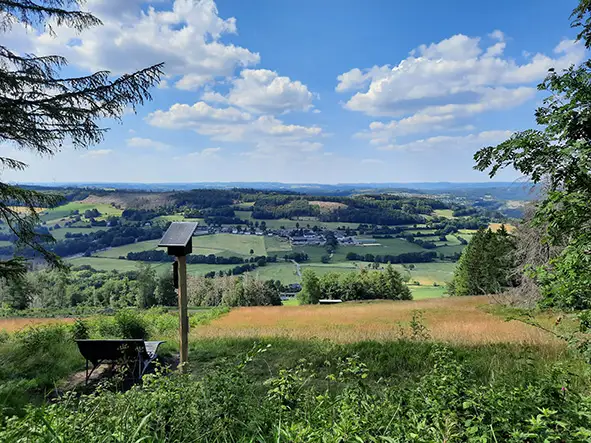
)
(229, 403)
(35, 361)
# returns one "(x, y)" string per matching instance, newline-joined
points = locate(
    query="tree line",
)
(405, 257)
(363, 285)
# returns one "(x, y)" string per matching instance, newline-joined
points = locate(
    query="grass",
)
(51, 215)
(429, 273)
(275, 245)
(458, 320)
(278, 271)
(229, 244)
(60, 234)
(179, 218)
(447, 213)
(110, 264)
(424, 292)
(132, 247)
(12, 324)
(496, 226)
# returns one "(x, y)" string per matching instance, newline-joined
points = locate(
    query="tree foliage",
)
(40, 111)
(486, 265)
(365, 285)
(559, 154)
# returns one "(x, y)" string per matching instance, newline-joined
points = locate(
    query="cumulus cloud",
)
(146, 143)
(264, 91)
(186, 35)
(440, 86)
(183, 116)
(466, 142)
(454, 72)
(266, 133)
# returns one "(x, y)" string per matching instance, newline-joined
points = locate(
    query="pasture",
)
(447, 213)
(54, 214)
(125, 249)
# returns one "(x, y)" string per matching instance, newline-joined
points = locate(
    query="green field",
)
(55, 214)
(429, 273)
(60, 234)
(447, 213)
(423, 292)
(125, 249)
(229, 244)
(179, 218)
(275, 245)
(110, 264)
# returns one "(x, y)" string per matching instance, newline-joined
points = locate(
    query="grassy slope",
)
(55, 214)
(60, 234)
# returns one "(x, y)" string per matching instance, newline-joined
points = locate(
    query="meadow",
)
(53, 215)
(255, 369)
(460, 320)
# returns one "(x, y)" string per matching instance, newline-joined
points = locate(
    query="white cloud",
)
(214, 97)
(187, 36)
(265, 92)
(443, 142)
(211, 153)
(449, 75)
(97, 153)
(146, 143)
(266, 133)
(183, 116)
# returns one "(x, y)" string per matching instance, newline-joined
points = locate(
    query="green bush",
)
(445, 404)
(131, 324)
(32, 361)
(80, 330)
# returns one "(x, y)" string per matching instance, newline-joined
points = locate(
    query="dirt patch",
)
(454, 320)
(136, 200)
(328, 206)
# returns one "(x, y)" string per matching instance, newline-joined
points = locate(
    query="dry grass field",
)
(14, 324)
(496, 226)
(454, 320)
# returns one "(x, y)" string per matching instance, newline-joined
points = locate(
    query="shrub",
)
(131, 324)
(80, 330)
(445, 404)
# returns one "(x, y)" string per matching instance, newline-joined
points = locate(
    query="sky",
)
(308, 91)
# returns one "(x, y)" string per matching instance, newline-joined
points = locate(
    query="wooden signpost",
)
(178, 241)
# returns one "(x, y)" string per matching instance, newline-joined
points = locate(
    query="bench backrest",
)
(112, 350)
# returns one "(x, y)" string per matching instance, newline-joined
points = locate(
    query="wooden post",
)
(183, 314)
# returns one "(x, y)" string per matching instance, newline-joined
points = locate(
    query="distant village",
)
(296, 237)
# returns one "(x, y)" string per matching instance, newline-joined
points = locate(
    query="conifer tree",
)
(40, 110)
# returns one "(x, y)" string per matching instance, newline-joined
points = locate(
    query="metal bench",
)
(137, 354)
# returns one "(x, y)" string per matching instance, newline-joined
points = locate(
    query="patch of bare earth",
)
(136, 200)
(454, 320)
(328, 206)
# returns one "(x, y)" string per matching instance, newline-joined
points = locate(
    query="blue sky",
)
(309, 91)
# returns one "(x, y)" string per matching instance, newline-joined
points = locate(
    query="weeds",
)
(447, 403)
